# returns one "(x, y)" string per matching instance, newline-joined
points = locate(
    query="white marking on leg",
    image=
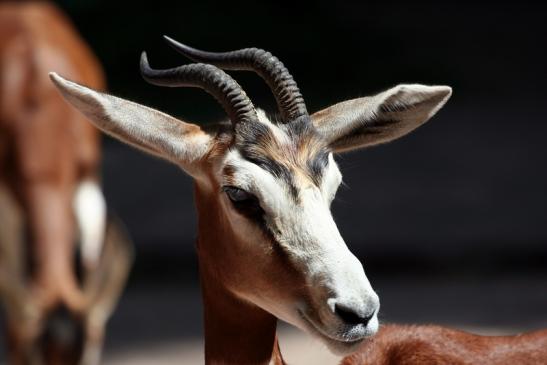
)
(90, 211)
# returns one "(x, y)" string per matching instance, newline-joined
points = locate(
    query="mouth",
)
(341, 343)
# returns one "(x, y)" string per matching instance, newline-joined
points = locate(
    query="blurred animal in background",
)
(435, 345)
(63, 264)
(267, 244)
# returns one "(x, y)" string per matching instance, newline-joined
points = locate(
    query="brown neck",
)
(236, 331)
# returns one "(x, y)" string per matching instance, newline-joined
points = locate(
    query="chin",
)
(341, 345)
(342, 348)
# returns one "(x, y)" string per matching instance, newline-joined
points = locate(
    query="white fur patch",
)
(332, 178)
(90, 211)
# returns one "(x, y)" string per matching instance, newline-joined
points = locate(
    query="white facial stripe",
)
(319, 250)
(332, 178)
(312, 228)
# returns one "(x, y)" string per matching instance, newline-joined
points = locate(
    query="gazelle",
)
(267, 244)
(435, 345)
(49, 164)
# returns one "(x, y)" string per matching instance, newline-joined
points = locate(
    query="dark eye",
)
(245, 203)
(237, 195)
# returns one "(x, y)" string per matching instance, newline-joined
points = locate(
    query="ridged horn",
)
(209, 78)
(289, 99)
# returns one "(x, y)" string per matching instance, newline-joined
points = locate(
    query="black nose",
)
(349, 316)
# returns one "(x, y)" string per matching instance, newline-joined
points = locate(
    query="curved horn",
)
(209, 78)
(289, 99)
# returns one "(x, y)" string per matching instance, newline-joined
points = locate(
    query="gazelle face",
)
(274, 184)
(264, 188)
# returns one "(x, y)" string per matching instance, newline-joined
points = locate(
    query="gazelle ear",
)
(145, 128)
(381, 118)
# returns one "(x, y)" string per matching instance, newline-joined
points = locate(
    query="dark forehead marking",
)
(275, 168)
(300, 128)
(304, 132)
(254, 140)
(258, 144)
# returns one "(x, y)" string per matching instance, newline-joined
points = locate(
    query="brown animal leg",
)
(50, 221)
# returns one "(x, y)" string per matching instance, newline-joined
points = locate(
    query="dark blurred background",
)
(468, 188)
(457, 210)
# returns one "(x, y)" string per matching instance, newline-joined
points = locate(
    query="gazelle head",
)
(264, 186)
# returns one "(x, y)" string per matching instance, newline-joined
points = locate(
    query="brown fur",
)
(251, 266)
(435, 345)
(237, 331)
(50, 146)
(46, 149)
